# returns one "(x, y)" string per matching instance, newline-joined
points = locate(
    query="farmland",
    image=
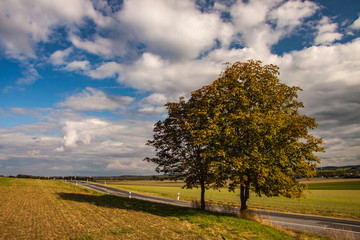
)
(48, 209)
(333, 197)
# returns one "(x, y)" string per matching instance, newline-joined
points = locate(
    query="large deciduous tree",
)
(256, 132)
(179, 154)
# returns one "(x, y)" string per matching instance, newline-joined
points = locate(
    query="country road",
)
(333, 227)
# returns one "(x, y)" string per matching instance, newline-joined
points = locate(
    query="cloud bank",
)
(163, 50)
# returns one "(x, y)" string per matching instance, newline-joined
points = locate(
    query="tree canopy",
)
(257, 133)
(245, 127)
(178, 155)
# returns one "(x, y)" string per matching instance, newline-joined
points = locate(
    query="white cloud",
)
(21, 145)
(356, 24)
(84, 146)
(129, 165)
(151, 111)
(92, 99)
(323, 64)
(291, 14)
(170, 28)
(152, 73)
(327, 32)
(109, 69)
(99, 46)
(84, 131)
(251, 20)
(24, 23)
(156, 99)
(329, 76)
(57, 58)
(76, 65)
(172, 35)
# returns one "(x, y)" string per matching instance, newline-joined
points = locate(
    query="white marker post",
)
(129, 194)
(178, 196)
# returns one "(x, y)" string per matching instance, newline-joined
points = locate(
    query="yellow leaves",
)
(248, 126)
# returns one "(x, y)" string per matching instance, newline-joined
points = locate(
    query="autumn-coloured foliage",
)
(178, 154)
(247, 128)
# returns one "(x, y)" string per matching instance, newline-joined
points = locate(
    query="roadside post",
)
(178, 196)
(129, 194)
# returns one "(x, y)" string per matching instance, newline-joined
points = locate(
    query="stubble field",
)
(48, 209)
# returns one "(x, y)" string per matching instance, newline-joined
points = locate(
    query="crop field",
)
(48, 209)
(333, 198)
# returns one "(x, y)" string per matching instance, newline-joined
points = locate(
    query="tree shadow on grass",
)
(112, 201)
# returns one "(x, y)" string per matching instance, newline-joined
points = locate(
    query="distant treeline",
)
(95, 178)
(343, 172)
(328, 172)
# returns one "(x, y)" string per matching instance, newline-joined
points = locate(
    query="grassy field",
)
(335, 198)
(48, 209)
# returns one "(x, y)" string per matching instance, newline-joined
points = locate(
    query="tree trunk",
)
(202, 200)
(244, 196)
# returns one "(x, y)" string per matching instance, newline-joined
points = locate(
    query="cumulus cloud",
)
(323, 64)
(153, 73)
(291, 14)
(84, 131)
(129, 165)
(252, 18)
(83, 147)
(58, 57)
(24, 23)
(165, 49)
(329, 78)
(77, 65)
(170, 28)
(156, 99)
(91, 99)
(356, 24)
(109, 69)
(327, 32)
(106, 47)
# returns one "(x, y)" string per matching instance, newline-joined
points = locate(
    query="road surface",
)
(337, 228)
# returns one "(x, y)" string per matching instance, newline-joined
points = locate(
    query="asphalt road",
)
(337, 228)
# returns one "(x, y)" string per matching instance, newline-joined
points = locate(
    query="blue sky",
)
(82, 82)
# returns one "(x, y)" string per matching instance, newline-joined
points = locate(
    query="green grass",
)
(335, 186)
(335, 199)
(48, 209)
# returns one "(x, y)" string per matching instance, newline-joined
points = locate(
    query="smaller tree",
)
(178, 152)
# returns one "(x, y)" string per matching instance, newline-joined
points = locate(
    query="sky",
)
(83, 82)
